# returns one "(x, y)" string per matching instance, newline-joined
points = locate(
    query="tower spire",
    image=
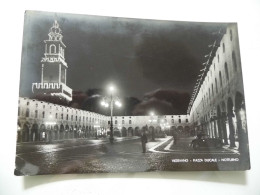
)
(54, 67)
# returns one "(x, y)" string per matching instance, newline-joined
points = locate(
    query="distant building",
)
(43, 121)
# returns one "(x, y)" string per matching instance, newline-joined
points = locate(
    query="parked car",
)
(204, 141)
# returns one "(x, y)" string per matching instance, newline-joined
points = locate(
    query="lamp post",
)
(152, 119)
(109, 102)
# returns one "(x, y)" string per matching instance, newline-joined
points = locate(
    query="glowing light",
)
(118, 103)
(151, 113)
(111, 88)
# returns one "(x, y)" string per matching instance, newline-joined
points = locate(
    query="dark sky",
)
(138, 56)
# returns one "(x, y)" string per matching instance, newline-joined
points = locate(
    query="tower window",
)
(36, 113)
(223, 45)
(52, 49)
(231, 35)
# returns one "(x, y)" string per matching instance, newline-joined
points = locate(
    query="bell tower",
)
(54, 67)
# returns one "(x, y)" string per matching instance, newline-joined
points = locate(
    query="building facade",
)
(217, 106)
(43, 121)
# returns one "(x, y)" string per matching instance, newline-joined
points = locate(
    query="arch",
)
(52, 49)
(67, 129)
(124, 132)
(137, 131)
(75, 130)
(55, 132)
(62, 131)
(34, 132)
(172, 130)
(43, 135)
(130, 131)
(186, 130)
(25, 133)
(116, 132)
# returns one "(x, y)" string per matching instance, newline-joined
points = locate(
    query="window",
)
(108, 122)
(71, 117)
(27, 112)
(28, 103)
(116, 122)
(18, 111)
(234, 61)
(130, 122)
(123, 122)
(172, 120)
(216, 84)
(187, 120)
(67, 117)
(43, 114)
(226, 71)
(36, 113)
(36, 105)
(223, 46)
(56, 115)
(220, 79)
(61, 116)
(76, 118)
(179, 120)
(43, 106)
(231, 35)
(52, 49)
(212, 88)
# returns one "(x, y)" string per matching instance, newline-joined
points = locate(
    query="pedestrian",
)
(144, 141)
(175, 137)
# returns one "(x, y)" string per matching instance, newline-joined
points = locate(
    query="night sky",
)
(137, 56)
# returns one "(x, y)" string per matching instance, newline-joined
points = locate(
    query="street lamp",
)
(109, 102)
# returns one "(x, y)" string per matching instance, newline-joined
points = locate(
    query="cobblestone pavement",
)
(99, 156)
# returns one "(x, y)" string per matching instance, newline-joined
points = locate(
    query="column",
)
(231, 130)
(224, 128)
